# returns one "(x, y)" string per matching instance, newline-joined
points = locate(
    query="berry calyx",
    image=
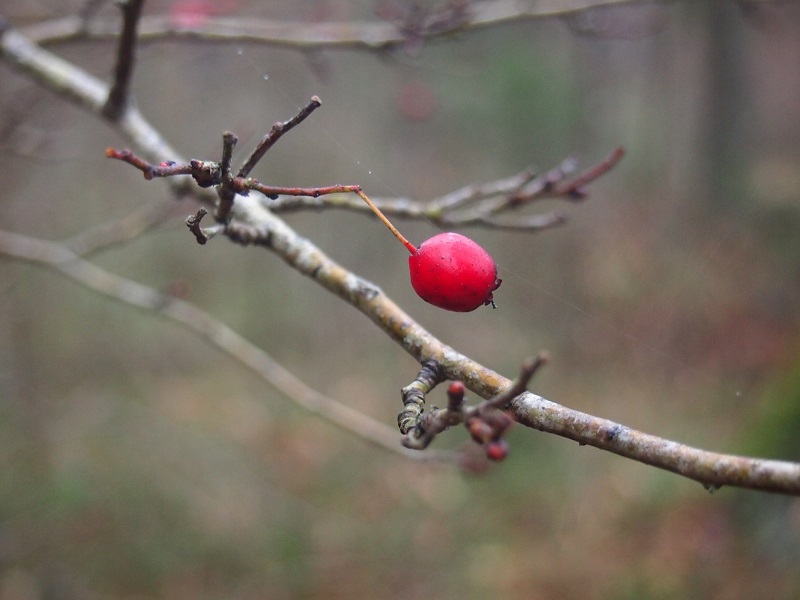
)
(448, 270)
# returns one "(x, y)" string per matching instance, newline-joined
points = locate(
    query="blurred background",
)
(137, 462)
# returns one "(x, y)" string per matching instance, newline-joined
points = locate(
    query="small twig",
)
(375, 36)
(413, 395)
(193, 223)
(574, 188)
(119, 94)
(272, 191)
(224, 190)
(278, 129)
(483, 204)
(502, 400)
(164, 169)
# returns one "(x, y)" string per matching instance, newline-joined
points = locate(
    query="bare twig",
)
(491, 200)
(575, 188)
(488, 204)
(193, 223)
(278, 129)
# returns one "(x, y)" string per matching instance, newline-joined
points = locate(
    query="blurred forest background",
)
(138, 462)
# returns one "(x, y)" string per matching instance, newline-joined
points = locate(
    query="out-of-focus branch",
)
(484, 204)
(58, 257)
(366, 35)
(119, 231)
(119, 94)
(86, 91)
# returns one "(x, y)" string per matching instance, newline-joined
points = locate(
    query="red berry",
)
(453, 272)
(448, 270)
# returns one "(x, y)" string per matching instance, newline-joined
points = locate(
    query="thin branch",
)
(481, 204)
(60, 258)
(119, 94)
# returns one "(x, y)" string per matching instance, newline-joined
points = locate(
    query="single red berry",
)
(497, 449)
(453, 272)
(448, 270)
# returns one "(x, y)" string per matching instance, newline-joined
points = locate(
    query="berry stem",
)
(411, 247)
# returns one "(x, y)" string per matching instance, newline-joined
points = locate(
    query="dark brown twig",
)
(119, 94)
(193, 223)
(225, 190)
(278, 129)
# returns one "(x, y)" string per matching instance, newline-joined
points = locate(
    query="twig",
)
(119, 94)
(574, 188)
(278, 129)
(225, 190)
(193, 223)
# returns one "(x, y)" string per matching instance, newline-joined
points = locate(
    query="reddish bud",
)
(455, 394)
(480, 430)
(497, 449)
